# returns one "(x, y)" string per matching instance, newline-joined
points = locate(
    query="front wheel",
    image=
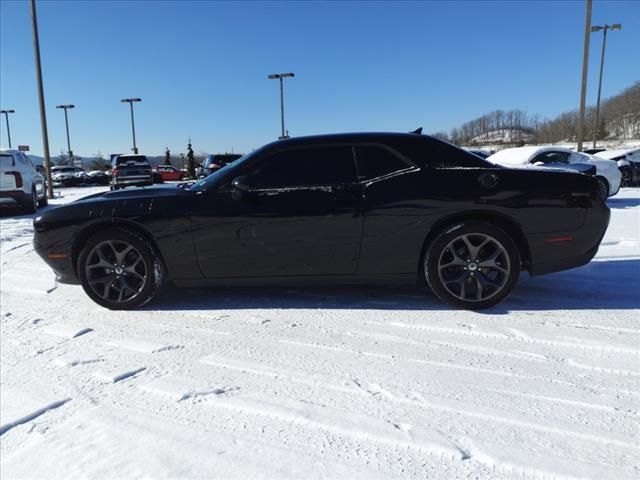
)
(119, 270)
(472, 265)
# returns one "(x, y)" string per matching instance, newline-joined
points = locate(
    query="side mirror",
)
(241, 183)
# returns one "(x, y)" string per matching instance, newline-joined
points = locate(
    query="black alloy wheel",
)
(119, 270)
(472, 265)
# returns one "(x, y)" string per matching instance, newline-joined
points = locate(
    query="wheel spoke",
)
(457, 260)
(490, 262)
(473, 250)
(102, 261)
(120, 256)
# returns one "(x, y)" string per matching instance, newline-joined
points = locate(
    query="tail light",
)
(114, 171)
(18, 178)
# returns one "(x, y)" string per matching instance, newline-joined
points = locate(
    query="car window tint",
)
(422, 149)
(7, 160)
(305, 166)
(375, 162)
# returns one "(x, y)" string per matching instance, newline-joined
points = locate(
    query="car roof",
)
(346, 137)
(521, 155)
(608, 154)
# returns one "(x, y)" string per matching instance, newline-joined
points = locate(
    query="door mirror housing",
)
(241, 184)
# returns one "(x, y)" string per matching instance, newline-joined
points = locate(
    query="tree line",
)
(619, 119)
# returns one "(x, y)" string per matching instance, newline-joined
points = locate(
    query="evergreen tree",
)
(167, 156)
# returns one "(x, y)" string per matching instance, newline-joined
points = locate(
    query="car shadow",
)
(623, 202)
(605, 284)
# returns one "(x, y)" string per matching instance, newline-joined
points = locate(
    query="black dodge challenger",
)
(344, 208)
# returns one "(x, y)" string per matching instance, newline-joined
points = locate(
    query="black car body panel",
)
(371, 229)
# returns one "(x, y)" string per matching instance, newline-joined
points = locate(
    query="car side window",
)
(374, 161)
(551, 157)
(319, 166)
(577, 157)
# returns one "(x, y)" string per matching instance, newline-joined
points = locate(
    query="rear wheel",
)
(472, 265)
(119, 270)
(32, 203)
(603, 187)
(44, 201)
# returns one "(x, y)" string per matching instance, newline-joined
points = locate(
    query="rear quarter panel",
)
(400, 212)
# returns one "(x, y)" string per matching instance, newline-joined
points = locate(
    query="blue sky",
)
(201, 67)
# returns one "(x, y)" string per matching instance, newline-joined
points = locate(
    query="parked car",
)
(606, 173)
(67, 176)
(20, 183)
(628, 161)
(169, 172)
(212, 163)
(98, 177)
(345, 208)
(129, 171)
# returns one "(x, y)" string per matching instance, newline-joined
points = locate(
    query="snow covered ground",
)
(323, 382)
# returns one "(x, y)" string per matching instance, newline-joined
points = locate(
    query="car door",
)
(298, 216)
(395, 222)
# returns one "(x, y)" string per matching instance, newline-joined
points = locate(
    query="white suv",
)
(20, 183)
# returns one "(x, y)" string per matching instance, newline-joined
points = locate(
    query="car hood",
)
(136, 193)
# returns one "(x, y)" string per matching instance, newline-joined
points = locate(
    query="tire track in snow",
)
(544, 398)
(507, 338)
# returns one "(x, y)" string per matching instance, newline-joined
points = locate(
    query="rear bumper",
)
(133, 181)
(553, 252)
(14, 198)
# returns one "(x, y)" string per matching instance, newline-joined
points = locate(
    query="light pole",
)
(597, 28)
(281, 76)
(585, 67)
(130, 101)
(66, 122)
(6, 117)
(43, 114)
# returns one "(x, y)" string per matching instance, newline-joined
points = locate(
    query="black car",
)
(130, 171)
(347, 208)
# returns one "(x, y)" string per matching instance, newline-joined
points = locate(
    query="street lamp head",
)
(616, 26)
(274, 76)
(65, 106)
(596, 28)
(7, 111)
(129, 100)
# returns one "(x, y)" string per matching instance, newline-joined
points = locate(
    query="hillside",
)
(619, 120)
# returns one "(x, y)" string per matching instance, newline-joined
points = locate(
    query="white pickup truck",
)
(20, 183)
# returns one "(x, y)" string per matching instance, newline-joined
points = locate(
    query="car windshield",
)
(230, 167)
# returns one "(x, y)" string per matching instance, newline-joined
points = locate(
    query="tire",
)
(44, 201)
(119, 269)
(459, 279)
(32, 205)
(603, 188)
